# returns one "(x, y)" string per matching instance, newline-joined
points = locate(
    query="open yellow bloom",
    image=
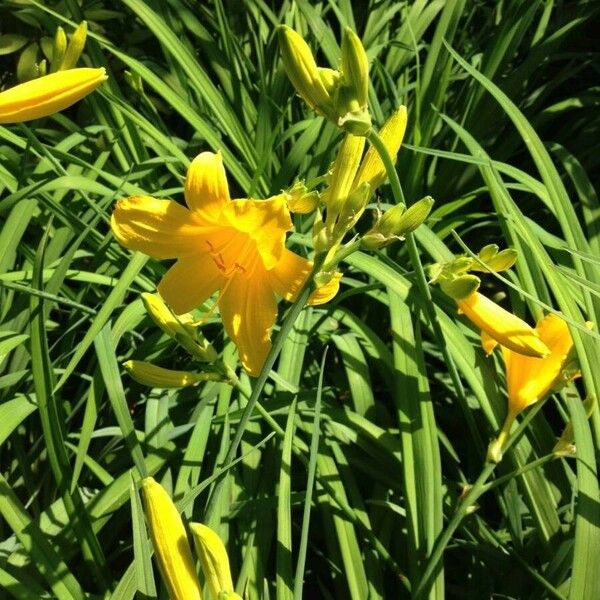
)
(234, 246)
(502, 326)
(48, 95)
(171, 546)
(529, 379)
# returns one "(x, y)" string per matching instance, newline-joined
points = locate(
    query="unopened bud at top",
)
(303, 72)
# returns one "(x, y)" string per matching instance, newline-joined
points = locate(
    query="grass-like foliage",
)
(358, 466)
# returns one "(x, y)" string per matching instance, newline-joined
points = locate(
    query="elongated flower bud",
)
(148, 374)
(372, 169)
(75, 47)
(213, 559)
(48, 95)
(303, 72)
(59, 48)
(343, 175)
(179, 328)
(355, 66)
(171, 546)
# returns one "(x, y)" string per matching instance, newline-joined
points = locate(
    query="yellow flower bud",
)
(372, 169)
(148, 374)
(301, 68)
(355, 67)
(59, 48)
(213, 559)
(48, 95)
(342, 176)
(75, 47)
(495, 261)
(171, 546)
(179, 328)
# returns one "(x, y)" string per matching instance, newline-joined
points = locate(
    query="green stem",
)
(479, 487)
(421, 278)
(517, 472)
(435, 559)
(286, 327)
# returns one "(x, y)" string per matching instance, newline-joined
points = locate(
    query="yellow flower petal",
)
(326, 292)
(507, 329)
(287, 277)
(248, 310)
(371, 170)
(488, 343)
(213, 558)
(171, 547)
(49, 94)
(158, 228)
(206, 189)
(265, 221)
(189, 282)
(529, 379)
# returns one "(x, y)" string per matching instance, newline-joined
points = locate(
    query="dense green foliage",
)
(503, 129)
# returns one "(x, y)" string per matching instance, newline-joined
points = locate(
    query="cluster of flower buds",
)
(454, 276)
(339, 95)
(174, 554)
(66, 53)
(186, 333)
(395, 223)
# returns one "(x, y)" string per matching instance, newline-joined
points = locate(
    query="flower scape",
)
(298, 300)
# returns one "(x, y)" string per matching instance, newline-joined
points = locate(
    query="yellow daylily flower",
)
(170, 542)
(234, 246)
(530, 379)
(49, 94)
(214, 560)
(504, 327)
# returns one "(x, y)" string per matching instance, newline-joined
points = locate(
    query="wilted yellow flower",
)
(503, 326)
(49, 94)
(171, 546)
(214, 561)
(234, 246)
